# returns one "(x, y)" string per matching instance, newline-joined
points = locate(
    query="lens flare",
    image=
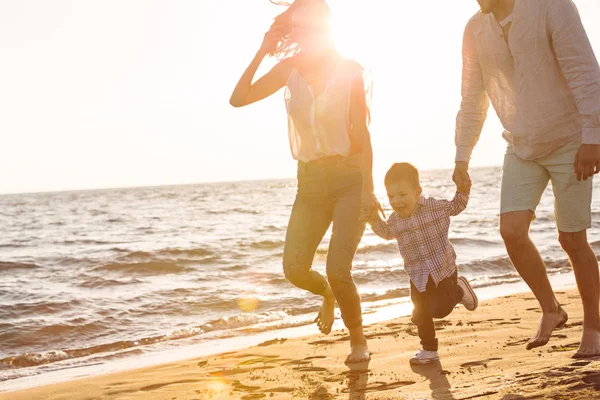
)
(248, 304)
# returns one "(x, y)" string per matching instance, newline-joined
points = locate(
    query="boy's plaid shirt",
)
(423, 238)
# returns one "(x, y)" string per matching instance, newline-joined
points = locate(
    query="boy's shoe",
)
(425, 357)
(469, 299)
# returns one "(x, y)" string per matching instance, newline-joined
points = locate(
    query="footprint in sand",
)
(484, 321)
(575, 381)
(231, 372)
(580, 363)
(335, 378)
(394, 325)
(310, 369)
(272, 342)
(259, 360)
(244, 355)
(254, 396)
(566, 347)
(320, 393)
(527, 377)
(279, 390)
(480, 363)
(321, 342)
(411, 331)
(161, 385)
(379, 387)
(517, 343)
(573, 324)
(297, 362)
(240, 387)
(592, 378)
(315, 358)
(382, 334)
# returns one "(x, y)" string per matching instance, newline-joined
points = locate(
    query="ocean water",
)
(91, 276)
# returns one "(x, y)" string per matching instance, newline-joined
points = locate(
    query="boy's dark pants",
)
(435, 302)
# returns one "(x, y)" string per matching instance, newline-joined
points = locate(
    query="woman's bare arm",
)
(245, 91)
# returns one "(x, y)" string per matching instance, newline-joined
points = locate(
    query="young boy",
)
(420, 225)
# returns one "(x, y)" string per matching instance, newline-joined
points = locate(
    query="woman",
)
(327, 127)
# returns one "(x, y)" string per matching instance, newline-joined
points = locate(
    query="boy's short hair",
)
(402, 172)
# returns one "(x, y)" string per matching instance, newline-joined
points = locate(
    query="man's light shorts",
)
(524, 182)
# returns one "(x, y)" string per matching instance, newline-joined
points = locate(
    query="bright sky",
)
(118, 93)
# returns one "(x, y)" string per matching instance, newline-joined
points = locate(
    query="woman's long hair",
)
(316, 17)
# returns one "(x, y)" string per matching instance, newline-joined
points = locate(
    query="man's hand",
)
(464, 188)
(461, 175)
(587, 161)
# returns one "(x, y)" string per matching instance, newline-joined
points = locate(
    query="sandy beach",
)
(482, 356)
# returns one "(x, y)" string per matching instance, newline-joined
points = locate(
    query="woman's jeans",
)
(329, 190)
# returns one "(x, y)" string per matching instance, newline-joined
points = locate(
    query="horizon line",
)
(163, 185)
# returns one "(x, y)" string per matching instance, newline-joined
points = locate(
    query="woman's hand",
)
(271, 39)
(370, 207)
(245, 91)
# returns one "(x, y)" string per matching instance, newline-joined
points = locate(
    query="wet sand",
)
(483, 356)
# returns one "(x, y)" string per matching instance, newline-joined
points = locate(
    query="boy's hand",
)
(370, 207)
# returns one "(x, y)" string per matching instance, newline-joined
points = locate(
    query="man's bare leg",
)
(514, 228)
(585, 266)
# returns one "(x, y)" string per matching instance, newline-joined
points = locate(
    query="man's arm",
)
(579, 66)
(473, 107)
(475, 102)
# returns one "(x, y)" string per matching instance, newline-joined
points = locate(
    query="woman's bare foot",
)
(326, 315)
(590, 344)
(359, 353)
(548, 323)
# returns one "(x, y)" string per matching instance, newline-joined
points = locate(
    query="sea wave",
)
(143, 268)
(242, 323)
(473, 242)
(387, 295)
(96, 282)
(175, 253)
(7, 266)
(40, 307)
(267, 244)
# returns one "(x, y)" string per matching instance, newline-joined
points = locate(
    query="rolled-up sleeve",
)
(382, 228)
(457, 204)
(578, 64)
(475, 101)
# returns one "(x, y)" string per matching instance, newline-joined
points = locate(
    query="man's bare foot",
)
(359, 353)
(548, 323)
(326, 315)
(590, 344)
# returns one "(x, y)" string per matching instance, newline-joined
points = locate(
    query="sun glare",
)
(353, 29)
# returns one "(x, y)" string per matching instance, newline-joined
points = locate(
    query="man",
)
(534, 61)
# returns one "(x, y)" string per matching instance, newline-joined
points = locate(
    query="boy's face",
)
(404, 197)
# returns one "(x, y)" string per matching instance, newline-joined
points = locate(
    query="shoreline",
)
(164, 353)
(326, 353)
